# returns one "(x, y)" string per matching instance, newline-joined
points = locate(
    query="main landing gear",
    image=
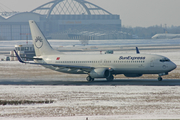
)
(89, 79)
(110, 78)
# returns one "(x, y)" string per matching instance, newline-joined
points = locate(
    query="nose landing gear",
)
(160, 78)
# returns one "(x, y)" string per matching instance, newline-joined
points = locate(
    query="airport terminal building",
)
(63, 19)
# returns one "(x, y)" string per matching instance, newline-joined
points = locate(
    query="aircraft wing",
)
(72, 67)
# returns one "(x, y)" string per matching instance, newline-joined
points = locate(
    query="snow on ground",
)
(114, 117)
(94, 102)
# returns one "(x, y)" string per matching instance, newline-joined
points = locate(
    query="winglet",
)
(137, 50)
(19, 58)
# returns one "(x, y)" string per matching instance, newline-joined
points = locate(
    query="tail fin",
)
(41, 45)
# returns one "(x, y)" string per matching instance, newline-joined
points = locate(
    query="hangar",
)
(63, 19)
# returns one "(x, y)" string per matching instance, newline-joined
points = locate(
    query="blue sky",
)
(133, 13)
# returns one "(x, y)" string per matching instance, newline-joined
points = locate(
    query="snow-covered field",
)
(82, 102)
(95, 102)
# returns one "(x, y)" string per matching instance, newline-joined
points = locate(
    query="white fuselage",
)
(121, 64)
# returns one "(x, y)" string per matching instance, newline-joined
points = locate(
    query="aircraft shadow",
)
(118, 82)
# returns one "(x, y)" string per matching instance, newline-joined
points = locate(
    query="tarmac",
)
(100, 82)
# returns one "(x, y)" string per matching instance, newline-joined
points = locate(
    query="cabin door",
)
(152, 62)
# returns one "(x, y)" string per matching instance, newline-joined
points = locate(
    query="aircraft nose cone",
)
(173, 66)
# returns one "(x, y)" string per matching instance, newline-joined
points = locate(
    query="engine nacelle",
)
(100, 73)
(133, 75)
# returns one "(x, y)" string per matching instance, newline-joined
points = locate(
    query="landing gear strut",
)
(89, 79)
(161, 74)
(110, 78)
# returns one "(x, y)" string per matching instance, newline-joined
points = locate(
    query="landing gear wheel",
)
(110, 78)
(89, 79)
(160, 78)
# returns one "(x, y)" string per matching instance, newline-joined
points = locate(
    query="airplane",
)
(96, 66)
(166, 36)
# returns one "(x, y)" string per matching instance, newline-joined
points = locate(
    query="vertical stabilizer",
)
(41, 45)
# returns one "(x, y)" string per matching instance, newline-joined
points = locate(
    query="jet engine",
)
(133, 75)
(100, 73)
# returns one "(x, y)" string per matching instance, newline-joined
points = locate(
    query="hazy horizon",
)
(143, 13)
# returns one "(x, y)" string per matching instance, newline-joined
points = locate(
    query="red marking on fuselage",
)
(58, 58)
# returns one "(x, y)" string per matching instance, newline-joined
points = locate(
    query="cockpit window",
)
(165, 60)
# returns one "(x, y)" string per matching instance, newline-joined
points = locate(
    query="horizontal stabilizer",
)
(29, 58)
(32, 58)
